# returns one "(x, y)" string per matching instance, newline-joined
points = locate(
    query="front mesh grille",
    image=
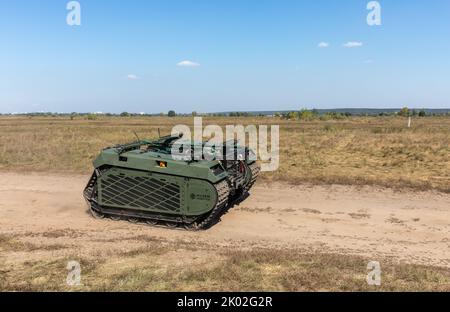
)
(140, 192)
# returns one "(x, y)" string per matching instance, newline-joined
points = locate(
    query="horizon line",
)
(226, 112)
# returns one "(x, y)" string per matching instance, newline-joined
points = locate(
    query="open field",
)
(347, 192)
(282, 238)
(378, 151)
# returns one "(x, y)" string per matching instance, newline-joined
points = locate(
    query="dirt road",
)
(404, 226)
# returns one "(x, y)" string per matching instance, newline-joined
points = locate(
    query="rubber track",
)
(223, 192)
(255, 169)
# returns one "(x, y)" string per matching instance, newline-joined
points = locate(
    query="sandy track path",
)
(405, 226)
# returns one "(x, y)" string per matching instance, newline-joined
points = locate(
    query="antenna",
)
(135, 134)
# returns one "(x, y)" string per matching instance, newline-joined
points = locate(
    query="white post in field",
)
(409, 122)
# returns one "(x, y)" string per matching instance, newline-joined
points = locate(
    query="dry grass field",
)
(354, 151)
(313, 225)
(162, 266)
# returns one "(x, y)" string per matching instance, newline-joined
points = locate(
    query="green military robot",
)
(142, 182)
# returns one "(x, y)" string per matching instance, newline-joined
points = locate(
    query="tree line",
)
(302, 114)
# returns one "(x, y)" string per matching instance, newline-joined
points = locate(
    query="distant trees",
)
(404, 112)
(289, 115)
(240, 114)
(300, 115)
(305, 114)
(292, 115)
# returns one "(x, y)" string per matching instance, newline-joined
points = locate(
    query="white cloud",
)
(188, 64)
(353, 44)
(132, 77)
(323, 45)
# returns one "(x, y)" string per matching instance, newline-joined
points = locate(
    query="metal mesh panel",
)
(140, 192)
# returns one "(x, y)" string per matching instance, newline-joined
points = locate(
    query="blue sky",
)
(251, 55)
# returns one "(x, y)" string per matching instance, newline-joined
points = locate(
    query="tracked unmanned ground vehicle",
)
(142, 182)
